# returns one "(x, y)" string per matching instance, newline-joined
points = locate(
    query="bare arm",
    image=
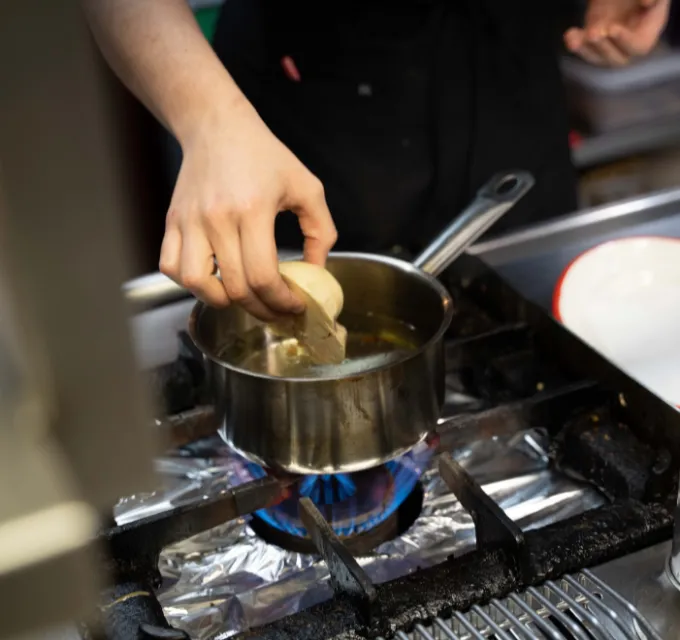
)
(157, 49)
(236, 175)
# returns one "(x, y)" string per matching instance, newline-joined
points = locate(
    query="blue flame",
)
(351, 503)
(327, 488)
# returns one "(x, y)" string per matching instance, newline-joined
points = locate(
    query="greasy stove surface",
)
(573, 474)
(229, 579)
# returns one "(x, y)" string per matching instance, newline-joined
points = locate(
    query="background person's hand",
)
(236, 176)
(617, 31)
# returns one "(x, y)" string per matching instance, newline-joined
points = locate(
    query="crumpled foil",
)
(227, 580)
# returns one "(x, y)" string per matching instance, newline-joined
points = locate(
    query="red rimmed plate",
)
(623, 298)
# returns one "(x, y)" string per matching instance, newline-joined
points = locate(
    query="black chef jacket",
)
(405, 108)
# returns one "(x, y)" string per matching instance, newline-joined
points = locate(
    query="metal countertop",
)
(641, 579)
(533, 259)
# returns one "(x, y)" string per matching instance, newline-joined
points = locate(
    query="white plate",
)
(623, 298)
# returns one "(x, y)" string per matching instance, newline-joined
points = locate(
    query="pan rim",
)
(402, 265)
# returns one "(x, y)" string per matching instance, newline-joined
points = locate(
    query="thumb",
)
(316, 224)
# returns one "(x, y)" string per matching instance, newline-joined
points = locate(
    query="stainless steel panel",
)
(532, 260)
(642, 579)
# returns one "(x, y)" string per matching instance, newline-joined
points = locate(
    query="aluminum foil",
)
(227, 580)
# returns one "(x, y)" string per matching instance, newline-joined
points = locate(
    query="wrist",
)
(215, 105)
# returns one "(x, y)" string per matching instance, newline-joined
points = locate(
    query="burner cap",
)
(351, 503)
(358, 544)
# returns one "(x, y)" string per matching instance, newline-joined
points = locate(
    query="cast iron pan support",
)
(493, 528)
(347, 577)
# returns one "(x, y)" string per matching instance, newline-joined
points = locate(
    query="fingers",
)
(227, 248)
(236, 231)
(574, 39)
(590, 54)
(600, 15)
(261, 265)
(610, 53)
(627, 41)
(316, 223)
(187, 258)
(197, 266)
(247, 260)
(615, 32)
(256, 280)
(171, 251)
(595, 49)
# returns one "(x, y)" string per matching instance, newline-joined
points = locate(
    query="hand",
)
(616, 31)
(235, 178)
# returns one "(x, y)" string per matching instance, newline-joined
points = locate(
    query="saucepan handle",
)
(493, 200)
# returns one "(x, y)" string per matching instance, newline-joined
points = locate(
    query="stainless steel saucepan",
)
(283, 414)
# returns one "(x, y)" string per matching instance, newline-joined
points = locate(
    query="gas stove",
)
(547, 460)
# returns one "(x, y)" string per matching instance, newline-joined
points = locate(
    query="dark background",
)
(151, 157)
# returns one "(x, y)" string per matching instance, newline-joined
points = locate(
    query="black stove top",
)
(508, 363)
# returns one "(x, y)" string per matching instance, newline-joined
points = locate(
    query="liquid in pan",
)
(372, 340)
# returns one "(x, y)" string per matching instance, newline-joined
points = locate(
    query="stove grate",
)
(579, 607)
(514, 368)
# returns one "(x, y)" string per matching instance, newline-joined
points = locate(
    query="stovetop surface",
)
(228, 579)
(584, 472)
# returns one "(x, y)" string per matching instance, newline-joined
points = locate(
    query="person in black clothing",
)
(388, 113)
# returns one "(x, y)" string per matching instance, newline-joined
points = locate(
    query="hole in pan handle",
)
(492, 201)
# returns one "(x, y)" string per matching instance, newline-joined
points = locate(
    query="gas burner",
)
(353, 504)
(358, 544)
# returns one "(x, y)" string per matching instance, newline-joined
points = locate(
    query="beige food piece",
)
(317, 329)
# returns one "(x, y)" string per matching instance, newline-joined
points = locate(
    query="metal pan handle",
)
(493, 200)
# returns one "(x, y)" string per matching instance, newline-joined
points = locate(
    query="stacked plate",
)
(623, 298)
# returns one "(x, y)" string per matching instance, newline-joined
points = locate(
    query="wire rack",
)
(579, 607)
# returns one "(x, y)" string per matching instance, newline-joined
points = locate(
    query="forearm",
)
(158, 51)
